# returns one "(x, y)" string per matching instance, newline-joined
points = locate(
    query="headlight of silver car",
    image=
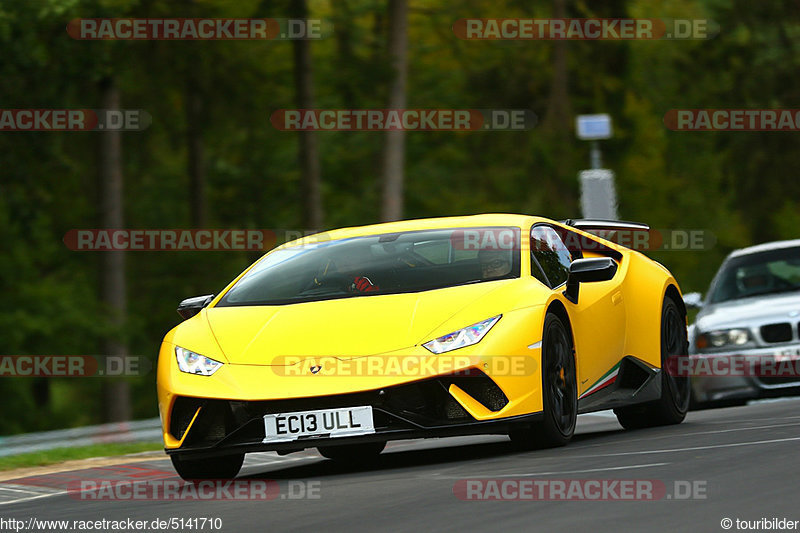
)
(194, 363)
(463, 337)
(723, 337)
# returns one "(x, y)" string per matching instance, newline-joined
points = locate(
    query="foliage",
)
(739, 186)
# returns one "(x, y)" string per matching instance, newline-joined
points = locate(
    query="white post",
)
(598, 194)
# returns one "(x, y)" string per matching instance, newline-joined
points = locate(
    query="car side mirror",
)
(588, 271)
(693, 300)
(191, 306)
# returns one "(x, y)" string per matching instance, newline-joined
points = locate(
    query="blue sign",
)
(593, 127)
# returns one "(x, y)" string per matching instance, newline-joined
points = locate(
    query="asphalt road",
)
(738, 463)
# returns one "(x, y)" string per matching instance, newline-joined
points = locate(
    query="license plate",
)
(342, 422)
(787, 354)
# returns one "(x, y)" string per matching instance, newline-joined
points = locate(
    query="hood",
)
(749, 311)
(347, 327)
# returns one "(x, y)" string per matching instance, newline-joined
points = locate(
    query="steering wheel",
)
(327, 276)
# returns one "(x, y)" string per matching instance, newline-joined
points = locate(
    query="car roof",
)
(469, 221)
(766, 247)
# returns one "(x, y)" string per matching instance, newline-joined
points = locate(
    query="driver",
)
(756, 279)
(494, 263)
(349, 266)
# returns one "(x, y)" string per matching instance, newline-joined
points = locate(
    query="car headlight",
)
(463, 337)
(723, 337)
(194, 363)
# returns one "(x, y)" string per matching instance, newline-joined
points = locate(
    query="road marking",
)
(14, 490)
(463, 475)
(31, 498)
(762, 419)
(250, 464)
(741, 429)
(689, 449)
(264, 459)
(630, 467)
(719, 420)
(17, 489)
(608, 413)
(670, 436)
(773, 400)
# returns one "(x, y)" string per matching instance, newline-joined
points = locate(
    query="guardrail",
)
(148, 430)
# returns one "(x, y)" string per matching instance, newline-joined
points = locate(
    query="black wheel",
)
(675, 390)
(225, 467)
(559, 390)
(353, 453)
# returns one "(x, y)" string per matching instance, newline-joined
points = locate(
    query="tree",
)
(308, 154)
(393, 171)
(559, 114)
(116, 393)
(195, 154)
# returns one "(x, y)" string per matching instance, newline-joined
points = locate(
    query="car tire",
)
(559, 390)
(671, 408)
(224, 467)
(352, 453)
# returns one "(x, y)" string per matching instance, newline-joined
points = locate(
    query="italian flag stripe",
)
(607, 379)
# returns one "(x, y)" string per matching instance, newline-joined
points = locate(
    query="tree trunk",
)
(311, 180)
(377, 44)
(559, 113)
(195, 154)
(344, 46)
(116, 393)
(392, 176)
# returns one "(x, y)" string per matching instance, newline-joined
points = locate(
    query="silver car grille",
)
(779, 332)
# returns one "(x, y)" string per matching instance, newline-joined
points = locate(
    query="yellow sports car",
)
(485, 324)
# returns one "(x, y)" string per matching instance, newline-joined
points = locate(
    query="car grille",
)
(481, 388)
(781, 332)
(424, 403)
(183, 411)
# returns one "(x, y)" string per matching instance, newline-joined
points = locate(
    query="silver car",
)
(752, 311)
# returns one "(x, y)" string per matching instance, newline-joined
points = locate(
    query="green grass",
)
(59, 455)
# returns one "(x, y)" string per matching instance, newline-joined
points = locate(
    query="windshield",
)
(755, 274)
(381, 264)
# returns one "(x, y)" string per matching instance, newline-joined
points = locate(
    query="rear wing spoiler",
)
(588, 224)
(620, 232)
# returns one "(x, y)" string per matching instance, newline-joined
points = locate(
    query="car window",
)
(550, 255)
(437, 252)
(770, 272)
(395, 263)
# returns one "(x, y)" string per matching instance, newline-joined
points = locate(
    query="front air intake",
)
(481, 388)
(781, 332)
